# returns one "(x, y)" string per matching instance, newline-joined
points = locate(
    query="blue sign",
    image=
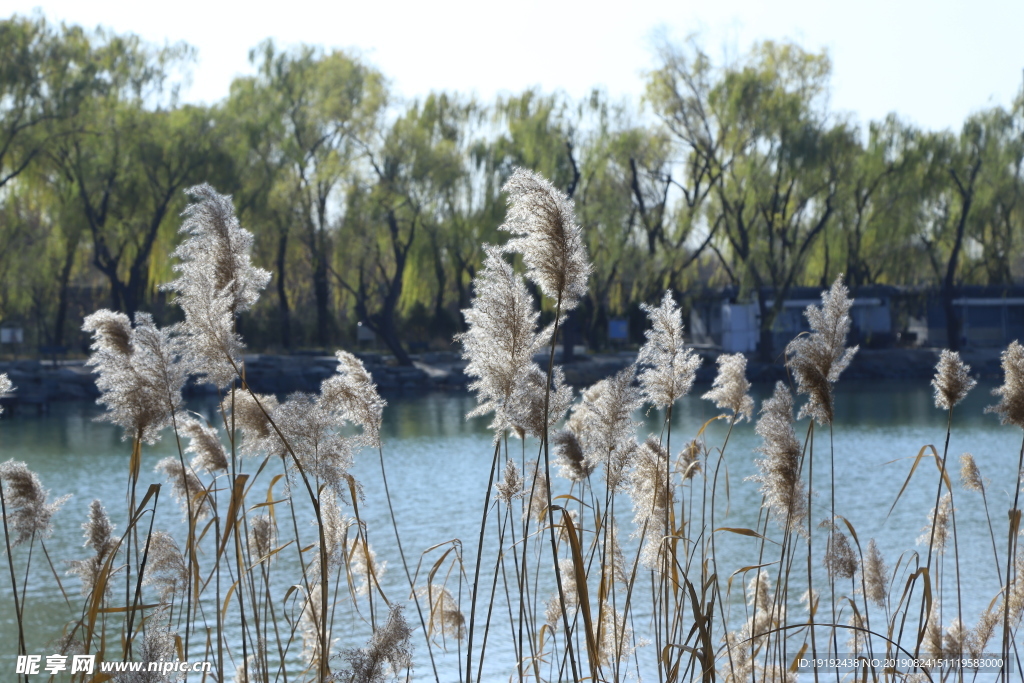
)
(618, 329)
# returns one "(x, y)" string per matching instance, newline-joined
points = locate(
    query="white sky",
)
(932, 62)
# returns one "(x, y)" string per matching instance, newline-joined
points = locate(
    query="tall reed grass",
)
(637, 532)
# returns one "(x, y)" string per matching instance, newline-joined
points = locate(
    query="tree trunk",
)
(322, 293)
(65, 291)
(282, 293)
(766, 340)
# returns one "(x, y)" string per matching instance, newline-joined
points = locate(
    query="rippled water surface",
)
(438, 466)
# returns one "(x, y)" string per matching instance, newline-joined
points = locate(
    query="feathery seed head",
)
(547, 235)
(362, 560)
(817, 359)
(669, 367)
(446, 619)
(309, 624)
(98, 536)
(940, 519)
(5, 387)
(952, 380)
(216, 282)
(538, 508)
(525, 409)
(262, 535)
(501, 339)
(511, 484)
(203, 442)
(652, 496)
(1011, 406)
(933, 633)
(98, 530)
(445, 616)
(336, 526)
(729, 390)
(188, 488)
(258, 434)
(28, 513)
(351, 394)
(158, 645)
(388, 647)
(603, 424)
(688, 460)
(572, 464)
(840, 558)
(309, 425)
(165, 566)
(781, 485)
(876, 575)
(616, 636)
(140, 372)
(970, 475)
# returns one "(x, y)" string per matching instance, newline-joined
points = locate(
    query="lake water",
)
(438, 465)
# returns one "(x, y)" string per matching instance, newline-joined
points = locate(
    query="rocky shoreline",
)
(40, 382)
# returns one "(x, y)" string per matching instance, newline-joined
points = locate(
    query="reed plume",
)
(571, 461)
(209, 453)
(5, 387)
(729, 390)
(28, 514)
(1011, 406)
(939, 517)
(258, 435)
(140, 372)
(446, 619)
(158, 645)
(166, 569)
(781, 486)
(538, 508)
(652, 497)
(501, 338)
(607, 432)
(262, 536)
(98, 536)
(543, 222)
(511, 485)
(352, 395)
(840, 558)
(952, 380)
(817, 359)
(186, 485)
(387, 653)
(526, 407)
(669, 367)
(363, 561)
(970, 475)
(616, 644)
(689, 459)
(876, 575)
(310, 622)
(216, 282)
(553, 607)
(310, 428)
(335, 527)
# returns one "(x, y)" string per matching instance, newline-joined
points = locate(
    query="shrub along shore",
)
(41, 382)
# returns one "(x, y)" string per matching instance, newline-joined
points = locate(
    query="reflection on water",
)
(438, 465)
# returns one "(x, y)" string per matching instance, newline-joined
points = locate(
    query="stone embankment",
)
(40, 382)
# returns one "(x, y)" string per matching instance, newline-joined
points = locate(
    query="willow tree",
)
(329, 105)
(760, 134)
(129, 152)
(414, 166)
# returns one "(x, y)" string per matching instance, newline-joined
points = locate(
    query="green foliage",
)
(371, 209)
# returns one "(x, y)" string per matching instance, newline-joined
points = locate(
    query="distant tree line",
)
(371, 209)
